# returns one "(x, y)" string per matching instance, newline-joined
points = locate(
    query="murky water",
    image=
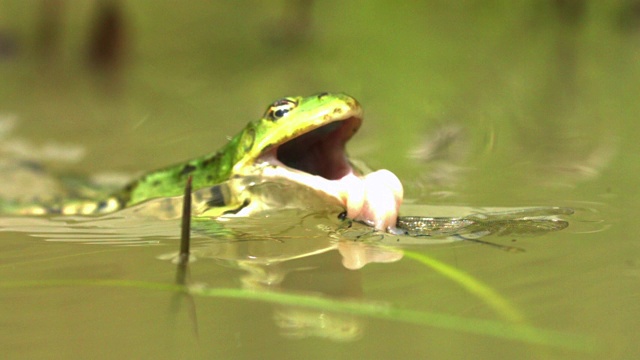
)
(476, 109)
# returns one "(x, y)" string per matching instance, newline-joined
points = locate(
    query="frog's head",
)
(302, 139)
(301, 136)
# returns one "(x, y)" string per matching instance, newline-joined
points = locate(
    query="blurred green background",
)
(146, 83)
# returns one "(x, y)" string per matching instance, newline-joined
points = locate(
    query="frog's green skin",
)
(300, 134)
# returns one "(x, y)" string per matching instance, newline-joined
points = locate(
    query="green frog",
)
(298, 139)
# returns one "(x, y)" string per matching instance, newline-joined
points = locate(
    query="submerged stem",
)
(185, 236)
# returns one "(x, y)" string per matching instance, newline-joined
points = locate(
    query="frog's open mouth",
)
(321, 151)
(317, 160)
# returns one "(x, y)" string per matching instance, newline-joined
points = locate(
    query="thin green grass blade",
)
(506, 331)
(494, 300)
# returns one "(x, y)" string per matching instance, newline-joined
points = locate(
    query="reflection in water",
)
(300, 277)
(527, 221)
(554, 134)
(296, 249)
(20, 149)
(302, 323)
(442, 152)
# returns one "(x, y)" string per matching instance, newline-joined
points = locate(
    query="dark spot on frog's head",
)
(322, 94)
(248, 138)
(337, 111)
(187, 169)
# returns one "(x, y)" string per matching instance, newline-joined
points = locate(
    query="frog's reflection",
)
(301, 260)
(321, 275)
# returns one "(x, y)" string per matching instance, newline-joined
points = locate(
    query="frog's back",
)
(30, 189)
(65, 207)
(73, 195)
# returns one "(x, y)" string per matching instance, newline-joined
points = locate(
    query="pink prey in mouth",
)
(316, 158)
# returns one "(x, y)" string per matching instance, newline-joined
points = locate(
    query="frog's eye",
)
(280, 109)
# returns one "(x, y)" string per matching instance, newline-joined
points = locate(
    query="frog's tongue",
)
(373, 199)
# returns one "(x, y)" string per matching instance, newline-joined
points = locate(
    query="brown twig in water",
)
(183, 260)
(185, 236)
